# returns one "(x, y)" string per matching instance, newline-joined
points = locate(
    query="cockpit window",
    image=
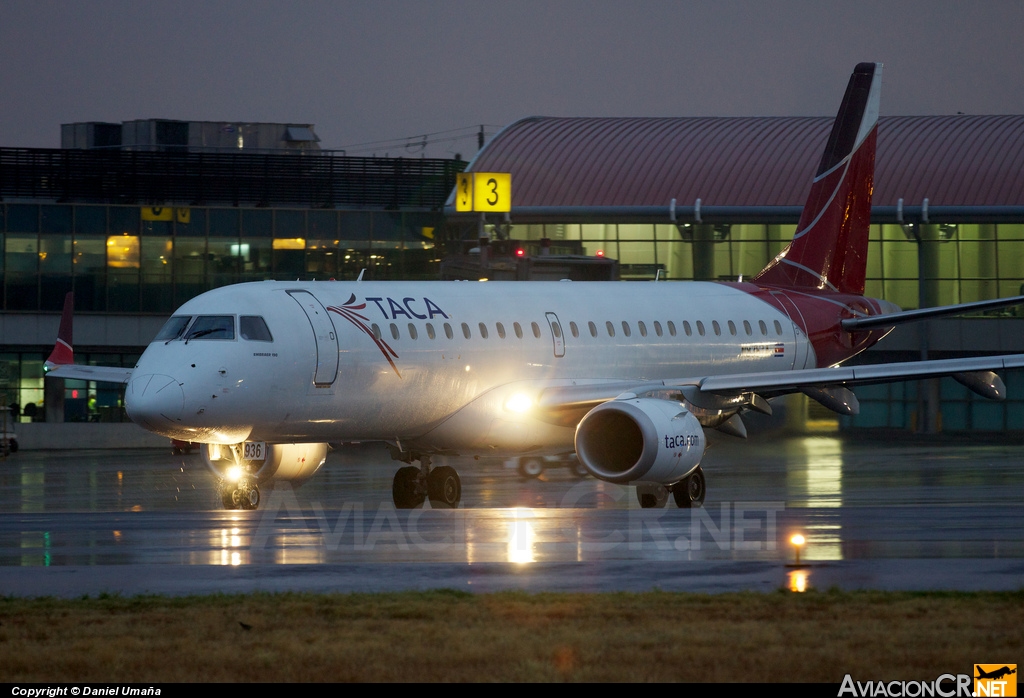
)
(254, 328)
(173, 328)
(212, 327)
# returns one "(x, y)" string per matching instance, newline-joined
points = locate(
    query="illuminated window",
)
(123, 251)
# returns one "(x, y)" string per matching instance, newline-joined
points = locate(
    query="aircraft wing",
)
(566, 404)
(104, 374)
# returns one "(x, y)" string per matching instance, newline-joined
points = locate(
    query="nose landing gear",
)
(243, 494)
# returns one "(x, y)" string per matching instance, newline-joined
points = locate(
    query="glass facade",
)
(969, 262)
(151, 260)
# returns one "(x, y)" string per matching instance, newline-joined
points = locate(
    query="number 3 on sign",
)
(492, 191)
(464, 192)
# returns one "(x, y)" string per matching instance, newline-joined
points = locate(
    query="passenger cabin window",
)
(732, 328)
(212, 327)
(747, 328)
(412, 331)
(575, 330)
(394, 331)
(501, 330)
(254, 328)
(593, 329)
(518, 329)
(465, 331)
(778, 328)
(672, 328)
(376, 330)
(448, 331)
(717, 327)
(430, 331)
(700, 328)
(764, 328)
(536, 329)
(642, 327)
(483, 331)
(657, 328)
(610, 327)
(173, 328)
(625, 328)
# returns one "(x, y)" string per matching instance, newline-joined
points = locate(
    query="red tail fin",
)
(829, 250)
(62, 352)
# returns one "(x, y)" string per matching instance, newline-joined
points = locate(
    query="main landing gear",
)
(688, 493)
(413, 485)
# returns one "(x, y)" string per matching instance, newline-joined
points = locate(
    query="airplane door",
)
(326, 337)
(556, 334)
(800, 341)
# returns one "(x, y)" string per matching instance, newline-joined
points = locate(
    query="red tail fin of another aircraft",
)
(830, 247)
(62, 353)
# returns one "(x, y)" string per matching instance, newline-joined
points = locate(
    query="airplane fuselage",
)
(433, 363)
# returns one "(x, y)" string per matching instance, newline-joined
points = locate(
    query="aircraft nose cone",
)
(155, 401)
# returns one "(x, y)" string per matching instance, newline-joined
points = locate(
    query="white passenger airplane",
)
(265, 375)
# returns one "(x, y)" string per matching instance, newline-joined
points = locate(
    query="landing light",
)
(520, 402)
(233, 474)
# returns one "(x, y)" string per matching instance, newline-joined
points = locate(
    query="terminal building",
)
(137, 220)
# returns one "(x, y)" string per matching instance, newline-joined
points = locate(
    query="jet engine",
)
(640, 439)
(292, 462)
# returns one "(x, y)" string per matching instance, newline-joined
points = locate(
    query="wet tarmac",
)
(893, 513)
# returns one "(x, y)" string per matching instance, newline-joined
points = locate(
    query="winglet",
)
(62, 352)
(829, 249)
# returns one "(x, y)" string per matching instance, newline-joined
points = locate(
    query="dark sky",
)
(379, 70)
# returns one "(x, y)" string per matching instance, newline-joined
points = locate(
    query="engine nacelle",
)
(642, 439)
(291, 462)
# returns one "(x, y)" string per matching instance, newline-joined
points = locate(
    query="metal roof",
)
(624, 164)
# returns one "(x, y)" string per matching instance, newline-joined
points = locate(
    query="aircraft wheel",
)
(444, 487)
(690, 492)
(651, 495)
(227, 498)
(405, 489)
(531, 467)
(251, 496)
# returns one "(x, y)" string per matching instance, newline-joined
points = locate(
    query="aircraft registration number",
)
(254, 450)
